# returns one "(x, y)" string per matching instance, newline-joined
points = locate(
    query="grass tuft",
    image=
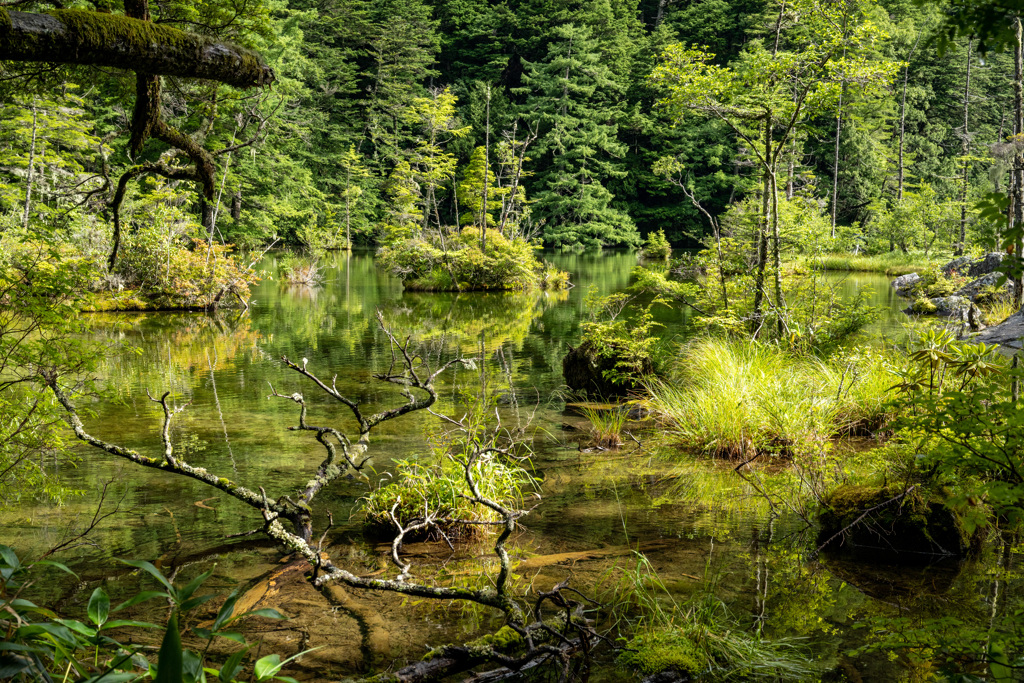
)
(738, 399)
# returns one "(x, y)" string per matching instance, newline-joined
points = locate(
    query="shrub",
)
(458, 264)
(302, 270)
(657, 246)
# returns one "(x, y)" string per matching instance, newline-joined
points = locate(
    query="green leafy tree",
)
(770, 92)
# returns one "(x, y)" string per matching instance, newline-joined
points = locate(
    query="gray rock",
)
(1008, 333)
(904, 282)
(952, 306)
(956, 266)
(972, 289)
(986, 264)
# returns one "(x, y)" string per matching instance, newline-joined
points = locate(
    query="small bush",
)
(301, 270)
(458, 264)
(657, 246)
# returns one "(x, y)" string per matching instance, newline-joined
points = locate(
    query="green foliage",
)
(435, 491)
(698, 636)
(41, 290)
(657, 246)
(569, 91)
(957, 410)
(458, 264)
(624, 339)
(40, 642)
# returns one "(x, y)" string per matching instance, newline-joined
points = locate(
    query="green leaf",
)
(193, 585)
(155, 573)
(58, 565)
(224, 613)
(232, 666)
(77, 627)
(232, 635)
(99, 606)
(195, 602)
(141, 597)
(119, 623)
(266, 613)
(267, 666)
(170, 667)
(9, 557)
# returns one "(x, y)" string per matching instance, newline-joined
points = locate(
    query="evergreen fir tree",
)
(568, 92)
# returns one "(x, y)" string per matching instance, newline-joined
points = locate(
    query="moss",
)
(5, 21)
(99, 28)
(652, 653)
(923, 305)
(919, 523)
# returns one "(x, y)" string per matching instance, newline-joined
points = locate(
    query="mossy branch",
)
(67, 36)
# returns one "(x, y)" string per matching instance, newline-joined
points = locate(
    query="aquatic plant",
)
(433, 263)
(742, 399)
(890, 263)
(606, 424)
(302, 270)
(698, 636)
(436, 494)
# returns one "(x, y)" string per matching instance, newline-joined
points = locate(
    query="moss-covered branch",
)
(112, 40)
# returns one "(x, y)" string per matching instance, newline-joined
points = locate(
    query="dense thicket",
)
(323, 145)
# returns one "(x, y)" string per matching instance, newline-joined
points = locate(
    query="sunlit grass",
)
(739, 399)
(894, 263)
(606, 425)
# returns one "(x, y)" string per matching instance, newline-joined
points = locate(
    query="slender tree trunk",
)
(763, 225)
(965, 148)
(780, 299)
(903, 124)
(1017, 218)
(236, 206)
(31, 168)
(835, 158)
(487, 166)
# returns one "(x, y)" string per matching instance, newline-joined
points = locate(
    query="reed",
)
(893, 263)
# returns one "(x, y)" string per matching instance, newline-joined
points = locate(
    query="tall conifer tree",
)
(569, 92)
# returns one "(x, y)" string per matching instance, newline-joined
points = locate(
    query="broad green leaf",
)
(193, 585)
(155, 573)
(99, 606)
(232, 666)
(267, 666)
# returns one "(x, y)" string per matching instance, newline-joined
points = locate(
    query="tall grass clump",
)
(698, 637)
(739, 399)
(606, 425)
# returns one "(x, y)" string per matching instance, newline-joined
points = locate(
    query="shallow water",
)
(224, 368)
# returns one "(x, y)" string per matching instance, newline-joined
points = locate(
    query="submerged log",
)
(67, 36)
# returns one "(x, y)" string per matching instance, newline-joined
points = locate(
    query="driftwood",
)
(67, 36)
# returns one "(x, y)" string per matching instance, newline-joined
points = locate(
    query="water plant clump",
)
(606, 424)
(657, 246)
(738, 399)
(435, 494)
(302, 270)
(459, 263)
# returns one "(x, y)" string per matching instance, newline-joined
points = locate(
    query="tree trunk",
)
(965, 149)
(31, 168)
(763, 225)
(1017, 215)
(835, 159)
(236, 206)
(67, 36)
(487, 167)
